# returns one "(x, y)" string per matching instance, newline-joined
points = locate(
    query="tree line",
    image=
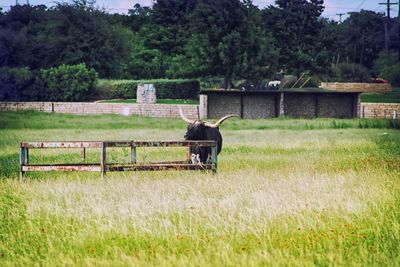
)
(195, 38)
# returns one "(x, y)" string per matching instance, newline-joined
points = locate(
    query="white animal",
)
(195, 158)
(274, 84)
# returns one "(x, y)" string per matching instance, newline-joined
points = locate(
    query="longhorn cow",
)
(203, 130)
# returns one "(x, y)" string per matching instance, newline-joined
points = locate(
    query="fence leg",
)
(215, 159)
(133, 154)
(103, 160)
(83, 154)
(188, 154)
(21, 161)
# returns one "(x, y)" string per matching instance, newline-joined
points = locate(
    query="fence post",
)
(215, 158)
(394, 115)
(133, 153)
(103, 160)
(83, 153)
(21, 161)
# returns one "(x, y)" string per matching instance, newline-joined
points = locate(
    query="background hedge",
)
(62, 83)
(165, 89)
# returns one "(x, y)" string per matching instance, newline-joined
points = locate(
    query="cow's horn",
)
(184, 117)
(215, 125)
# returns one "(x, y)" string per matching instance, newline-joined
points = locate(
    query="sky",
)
(332, 7)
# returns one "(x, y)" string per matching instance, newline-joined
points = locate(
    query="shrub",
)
(66, 83)
(165, 89)
(112, 89)
(350, 72)
(391, 73)
(385, 59)
(15, 83)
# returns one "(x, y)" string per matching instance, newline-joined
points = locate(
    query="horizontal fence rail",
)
(104, 167)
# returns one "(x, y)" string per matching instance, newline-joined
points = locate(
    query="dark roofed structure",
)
(295, 102)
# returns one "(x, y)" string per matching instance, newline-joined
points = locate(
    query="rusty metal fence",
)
(103, 166)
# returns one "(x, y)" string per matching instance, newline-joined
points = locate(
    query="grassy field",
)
(289, 193)
(392, 97)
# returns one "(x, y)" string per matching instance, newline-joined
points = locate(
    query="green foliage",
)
(350, 72)
(66, 83)
(385, 59)
(165, 89)
(390, 97)
(115, 89)
(15, 83)
(391, 73)
(192, 39)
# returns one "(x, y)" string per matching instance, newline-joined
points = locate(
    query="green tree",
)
(296, 26)
(362, 37)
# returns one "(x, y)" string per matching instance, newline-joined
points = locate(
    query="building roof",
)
(312, 90)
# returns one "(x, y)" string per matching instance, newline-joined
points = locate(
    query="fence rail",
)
(104, 167)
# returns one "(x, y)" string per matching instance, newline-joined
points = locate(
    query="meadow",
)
(289, 192)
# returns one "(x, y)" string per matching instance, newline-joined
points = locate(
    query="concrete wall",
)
(380, 110)
(83, 108)
(357, 87)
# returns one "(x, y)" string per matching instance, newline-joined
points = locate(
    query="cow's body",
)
(200, 130)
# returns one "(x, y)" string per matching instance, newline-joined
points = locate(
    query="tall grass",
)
(283, 196)
(39, 120)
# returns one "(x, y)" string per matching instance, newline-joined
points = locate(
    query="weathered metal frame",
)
(104, 167)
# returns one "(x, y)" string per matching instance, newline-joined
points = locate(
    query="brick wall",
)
(380, 110)
(83, 108)
(357, 87)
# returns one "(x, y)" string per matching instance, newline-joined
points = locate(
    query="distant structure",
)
(295, 102)
(146, 94)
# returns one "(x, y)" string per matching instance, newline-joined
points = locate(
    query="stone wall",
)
(259, 106)
(357, 87)
(300, 105)
(221, 105)
(380, 110)
(84, 108)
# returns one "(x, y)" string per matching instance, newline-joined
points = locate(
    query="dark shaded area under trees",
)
(230, 39)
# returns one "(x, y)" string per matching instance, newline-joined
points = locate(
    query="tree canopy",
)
(232, 39)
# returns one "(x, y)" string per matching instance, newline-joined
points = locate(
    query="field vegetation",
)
(390, 97)
(289, 192)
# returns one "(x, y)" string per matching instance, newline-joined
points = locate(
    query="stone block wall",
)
(300, 105)
(85, 108)
(380, 110)
(259, 106)
(221, 105)
(335, 106)
(357, 87)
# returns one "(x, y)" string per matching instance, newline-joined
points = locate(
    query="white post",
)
(203, 106)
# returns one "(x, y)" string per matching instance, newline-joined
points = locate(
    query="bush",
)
(66, 83)
(391, 73)
(15, 83)
(350, 72)
(385, 59)
(165, 89)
